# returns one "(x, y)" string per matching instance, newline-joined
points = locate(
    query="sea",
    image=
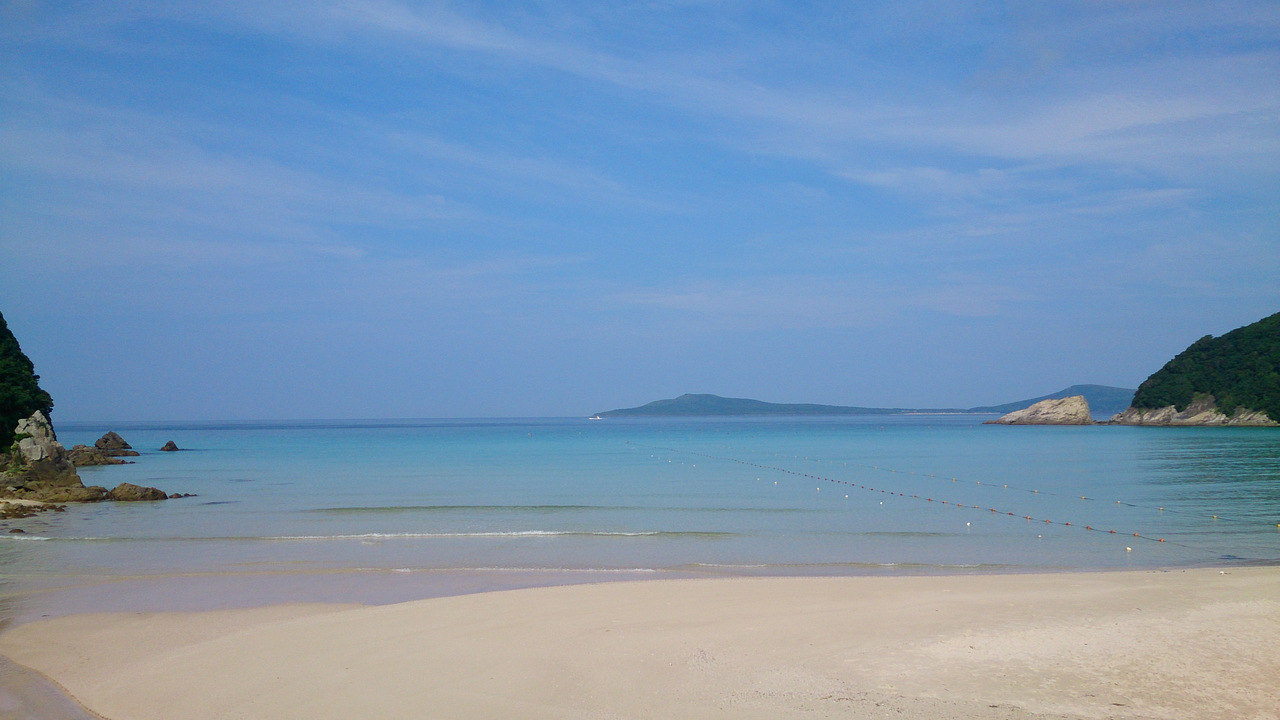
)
(376, 511)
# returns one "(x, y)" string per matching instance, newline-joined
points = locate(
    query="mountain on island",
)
(1229, 380)
(691, 405)
(1103, 400)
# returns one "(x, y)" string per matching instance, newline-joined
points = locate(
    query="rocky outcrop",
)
(39, 468)
(1065, 411)
(114, 445)
(84, 456)
(37, 457)
(1202, 411)
(50, 494)
(128, 492)
(170, 446)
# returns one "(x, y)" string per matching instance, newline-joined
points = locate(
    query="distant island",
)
(1102, 399)
(1229, 380)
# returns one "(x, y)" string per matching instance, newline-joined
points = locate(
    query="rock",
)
(83, 455)
(128, 492)
(41, 469)
(10, 509)
(170, 446)
(17, 531)
(112, 441)
(1203, 410)
(175, 496)
(114, 445)
(38, 457)
(1065, 411)
(13, 511)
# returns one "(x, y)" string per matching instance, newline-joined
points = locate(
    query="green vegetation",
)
(20, 393)
(1241, 369)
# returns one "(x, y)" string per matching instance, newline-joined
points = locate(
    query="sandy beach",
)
(1196, 643)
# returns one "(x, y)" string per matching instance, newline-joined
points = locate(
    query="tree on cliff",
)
(20, 393)
(1239, 369)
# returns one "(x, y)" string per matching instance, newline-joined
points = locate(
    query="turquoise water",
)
(546, 500)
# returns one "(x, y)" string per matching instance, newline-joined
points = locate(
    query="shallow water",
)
(369, 510)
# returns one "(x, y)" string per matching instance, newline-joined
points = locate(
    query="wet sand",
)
(1185, 644)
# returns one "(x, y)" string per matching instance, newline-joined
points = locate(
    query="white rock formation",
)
(1072, 410)
(39, 443)
(1202, 411)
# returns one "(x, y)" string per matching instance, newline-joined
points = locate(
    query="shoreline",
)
(1183, 643)
(242, 590)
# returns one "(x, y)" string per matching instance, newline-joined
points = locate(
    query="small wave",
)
(842, 568)
(392, 509)
(515, 569)
(365, 537)
(534, 509)
(499, 534)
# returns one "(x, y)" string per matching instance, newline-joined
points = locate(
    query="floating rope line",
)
(1016, 488)
(916, 496)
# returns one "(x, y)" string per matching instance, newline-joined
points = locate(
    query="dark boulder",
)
(170, 446)
(112, 441)
(128, 492)
(113, 444)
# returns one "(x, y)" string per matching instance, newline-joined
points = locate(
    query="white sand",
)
(1186, 644)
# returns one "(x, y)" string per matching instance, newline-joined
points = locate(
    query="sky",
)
(230, 210)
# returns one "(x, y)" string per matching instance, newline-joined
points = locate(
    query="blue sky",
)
(377, 208)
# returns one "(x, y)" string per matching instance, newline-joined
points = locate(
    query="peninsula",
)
(1229, 380)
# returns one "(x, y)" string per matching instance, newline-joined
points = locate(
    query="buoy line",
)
(883, 491)
(1030, 491)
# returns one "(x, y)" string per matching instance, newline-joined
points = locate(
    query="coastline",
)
(1194, 643)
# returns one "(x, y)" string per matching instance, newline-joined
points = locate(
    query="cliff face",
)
(1065, 411)
(1203, 410)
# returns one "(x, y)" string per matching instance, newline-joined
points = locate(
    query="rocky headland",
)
(1064, 411)
(1203, 410)
(1233, 379)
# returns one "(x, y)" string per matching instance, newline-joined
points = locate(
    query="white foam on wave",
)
(505, 533)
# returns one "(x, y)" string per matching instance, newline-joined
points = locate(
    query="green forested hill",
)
(1240, 369)
(20, 393)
